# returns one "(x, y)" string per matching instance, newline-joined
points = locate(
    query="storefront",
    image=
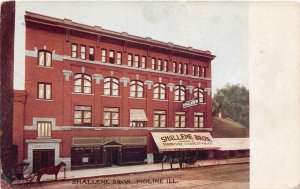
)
(92, 152)
(183, 145)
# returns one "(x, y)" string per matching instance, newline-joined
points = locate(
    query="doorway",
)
(112, 156)
(42, 158)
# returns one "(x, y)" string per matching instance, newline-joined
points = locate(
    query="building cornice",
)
(98, 31)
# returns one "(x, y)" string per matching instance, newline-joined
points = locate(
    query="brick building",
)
(93, 97)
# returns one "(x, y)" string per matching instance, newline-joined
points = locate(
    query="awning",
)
(138, 115)
(233, 143)
(169, 141)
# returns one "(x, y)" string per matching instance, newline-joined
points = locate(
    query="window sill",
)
(47, 100)
(41, 138)
(49, 67)
(88, 94)
(137, 98)
(160, 100)
(111, 96)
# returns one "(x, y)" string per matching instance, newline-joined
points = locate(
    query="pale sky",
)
(220, 27)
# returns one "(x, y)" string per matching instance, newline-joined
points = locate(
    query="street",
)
(212, 177)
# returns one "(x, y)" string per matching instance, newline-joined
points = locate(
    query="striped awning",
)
(138, 115)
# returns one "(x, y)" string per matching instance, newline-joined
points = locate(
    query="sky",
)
(220, 27)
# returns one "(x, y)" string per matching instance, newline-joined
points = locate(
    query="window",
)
(82, 83)
(199, 120)
(159, 91)
(103, 55)
(92, 53)
(111, 117)
(137, 123)
(194, 70)
(129, 59)
(136, 61)
(204, 71)
(119, 58)
(179, 93)
(174, 67)
(111, 86)
(45, 91)
(185, 69)
(143, 62)
(180, 119)
(199, 71)
(159, 118)
(74, 51)
(82, 52)
(136, 89)
(111, 56)
(158, 64)
(44, 129)
(179, 68)
(82, 115)
(45, 58)
(198, 94)
(153, 61)
(165, 66)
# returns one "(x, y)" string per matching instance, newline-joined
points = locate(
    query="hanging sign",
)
(190, 103)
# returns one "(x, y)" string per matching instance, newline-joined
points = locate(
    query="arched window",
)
(45, 58)
(136, 89)
(198, 94)
(82, 83)
(111, 86)
(179, 93)
(159, 91)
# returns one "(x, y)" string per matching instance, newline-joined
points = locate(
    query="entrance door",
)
(42, 158)
(112, 156)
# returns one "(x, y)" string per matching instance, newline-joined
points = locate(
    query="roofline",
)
(97, 30)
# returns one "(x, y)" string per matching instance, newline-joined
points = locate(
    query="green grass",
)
(227, 128)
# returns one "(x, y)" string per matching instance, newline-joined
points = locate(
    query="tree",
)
(233, 102)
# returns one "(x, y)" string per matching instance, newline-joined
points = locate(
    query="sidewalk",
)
(119, 170)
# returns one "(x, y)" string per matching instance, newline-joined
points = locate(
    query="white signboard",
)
(85, 159)
(190, 103)
(169, 141)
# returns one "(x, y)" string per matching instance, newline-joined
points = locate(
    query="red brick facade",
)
(56, 37)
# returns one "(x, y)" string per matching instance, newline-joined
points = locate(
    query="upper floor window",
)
(204, 71)
(199, 119)
(185, 69)
(198, 94)
(159, 91)
(165, 66)
(103, 55)
(158, 67)
(82, 83)
(153, 62)
(45, 91)
(111, 56)
(82, 51)
(199, 71)
(129, 59)
(174, 67)
(194, 70)
(45, 58)
(179, 68)
(180, 119)
(91, 53)
(136, 61)
(119, 58)
(44, 129)
(136, 89)
(74, 51)
(111, 86)
(160, 118)
(179, 93)
(143, 62)
(111, 117)
(82, 115)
